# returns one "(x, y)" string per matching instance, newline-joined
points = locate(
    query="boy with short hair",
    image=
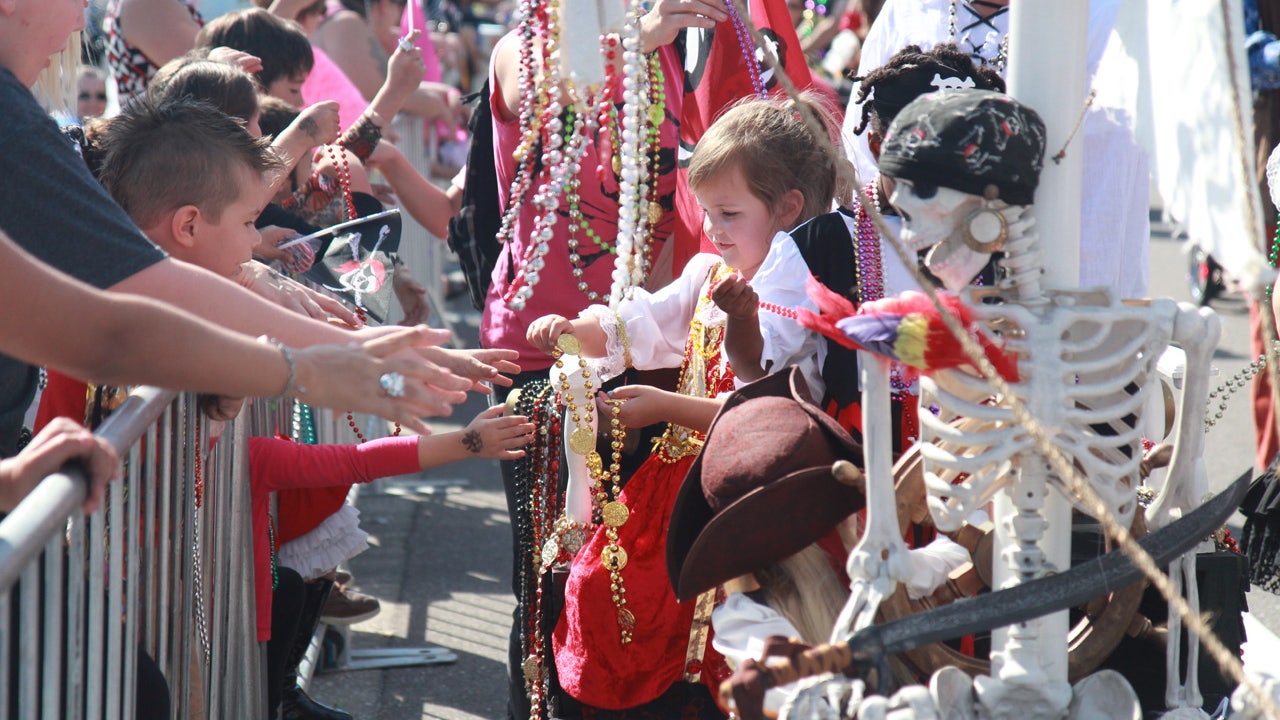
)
(192, 178)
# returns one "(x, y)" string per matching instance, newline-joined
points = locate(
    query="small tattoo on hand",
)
(310, 127)
(472, 442)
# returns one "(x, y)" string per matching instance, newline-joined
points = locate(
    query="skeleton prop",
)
(966, 165)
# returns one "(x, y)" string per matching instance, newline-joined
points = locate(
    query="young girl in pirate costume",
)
(844, 250)
(624, 646)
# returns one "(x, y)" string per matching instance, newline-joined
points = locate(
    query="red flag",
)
(716, 76)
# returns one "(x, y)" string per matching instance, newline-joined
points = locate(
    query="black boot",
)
(294, 703)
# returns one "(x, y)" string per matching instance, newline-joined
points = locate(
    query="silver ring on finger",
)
(392, 384)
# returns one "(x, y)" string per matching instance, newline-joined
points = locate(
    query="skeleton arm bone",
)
(1198, 331)
(879, 561)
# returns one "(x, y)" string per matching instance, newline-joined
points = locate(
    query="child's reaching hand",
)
(544, 331)
(495, 436)
(640, 405)
(735, 297)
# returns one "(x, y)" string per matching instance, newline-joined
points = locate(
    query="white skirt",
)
(333, 542)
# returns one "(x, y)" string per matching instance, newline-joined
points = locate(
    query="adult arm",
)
(161, 29)
(119, 339)
(405, 69)
(223, 303)
(425, 203)
(445, 372)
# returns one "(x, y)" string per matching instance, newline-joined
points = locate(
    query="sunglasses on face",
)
(101, 97)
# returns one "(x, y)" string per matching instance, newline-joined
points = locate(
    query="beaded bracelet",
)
(291, 387)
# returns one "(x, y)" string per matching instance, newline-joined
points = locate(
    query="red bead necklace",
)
(343, 168)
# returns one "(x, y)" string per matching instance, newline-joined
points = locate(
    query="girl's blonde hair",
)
(55, 87)
(806, 591)
(770, 143)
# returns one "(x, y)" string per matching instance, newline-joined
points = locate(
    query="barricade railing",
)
(158, 581)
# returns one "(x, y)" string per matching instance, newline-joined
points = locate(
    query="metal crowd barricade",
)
(164, 568)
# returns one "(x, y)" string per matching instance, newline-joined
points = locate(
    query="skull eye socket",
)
(924, 191)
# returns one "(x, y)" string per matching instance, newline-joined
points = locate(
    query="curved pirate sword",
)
(868, 648)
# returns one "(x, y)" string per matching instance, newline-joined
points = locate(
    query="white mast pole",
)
(1047, 67)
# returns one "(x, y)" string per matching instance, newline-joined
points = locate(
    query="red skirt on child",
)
(592, 663)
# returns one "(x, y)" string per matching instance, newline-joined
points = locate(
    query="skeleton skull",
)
(938, 221)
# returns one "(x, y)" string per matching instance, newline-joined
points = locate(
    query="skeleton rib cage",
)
(1088, 395)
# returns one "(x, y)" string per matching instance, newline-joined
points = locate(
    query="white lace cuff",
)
(614, 363)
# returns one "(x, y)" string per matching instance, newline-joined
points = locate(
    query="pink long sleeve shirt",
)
(279, 464)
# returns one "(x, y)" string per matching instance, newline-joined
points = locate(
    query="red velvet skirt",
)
(593, 665)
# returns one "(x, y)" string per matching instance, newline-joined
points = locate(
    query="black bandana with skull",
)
(975, 141)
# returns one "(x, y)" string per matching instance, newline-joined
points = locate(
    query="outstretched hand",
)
(478, 365)
(58, 442)
(348, 377)
(668, 17)
(496, 436)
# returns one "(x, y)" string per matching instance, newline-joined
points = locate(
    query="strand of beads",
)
(541, 481)
(634, 109)
(343, 168)
(583, 127)
(529, 113)
(748, 47)
(545, 125)
(1238, 381)
(778, 309)
(582, 440)
(1273, 257)
(868, 261)
(197, 557)
(653, 207)
(613, 515)
(547, 201)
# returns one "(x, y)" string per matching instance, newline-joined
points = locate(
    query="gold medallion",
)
(614, 557)
(573, 539)
(568, 344)
(655, 212)
(582, 441)
(532, 672)
(550, 551)
(594, 464)
(626, 620)
(615, 514)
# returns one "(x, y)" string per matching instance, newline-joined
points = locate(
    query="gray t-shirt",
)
(53, 208)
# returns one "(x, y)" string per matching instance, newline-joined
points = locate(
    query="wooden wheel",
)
(1089, 642)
